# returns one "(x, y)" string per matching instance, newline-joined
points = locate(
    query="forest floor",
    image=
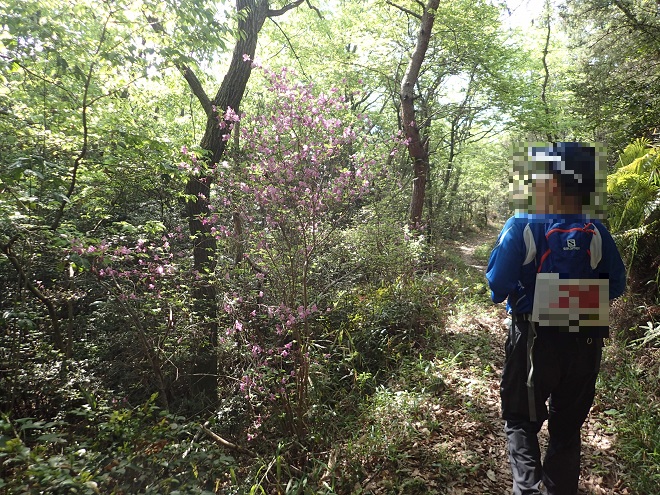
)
(459, 446)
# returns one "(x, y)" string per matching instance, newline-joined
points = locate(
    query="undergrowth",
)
(629, 388)
(99, 448)
(401, 359)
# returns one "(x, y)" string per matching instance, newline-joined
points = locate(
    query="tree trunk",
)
(461, 124)
(214, 141)
(549, 121)
(417, 148)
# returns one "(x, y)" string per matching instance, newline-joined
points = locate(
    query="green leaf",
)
(79, 261)
(52, 438)
(29, 172)
(61, 197)
(79, 74)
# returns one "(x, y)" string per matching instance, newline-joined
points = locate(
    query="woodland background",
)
(228, 258)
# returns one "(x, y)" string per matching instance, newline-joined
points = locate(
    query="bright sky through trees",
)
(522, 13)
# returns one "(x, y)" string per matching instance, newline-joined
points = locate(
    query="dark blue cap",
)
(573, 163)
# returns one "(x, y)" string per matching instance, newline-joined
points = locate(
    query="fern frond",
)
(623, 180)
(634, 187)
(637, 149)
(654, 168)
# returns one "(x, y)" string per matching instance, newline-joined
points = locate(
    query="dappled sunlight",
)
(468, 426)
(601, 473)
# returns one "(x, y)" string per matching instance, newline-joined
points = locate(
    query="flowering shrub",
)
(145, 273)
(302, 170)
(146, 265)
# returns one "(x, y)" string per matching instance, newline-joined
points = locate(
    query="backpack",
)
(569, 292)
(572, 250)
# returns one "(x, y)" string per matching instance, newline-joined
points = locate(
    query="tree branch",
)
(293, 50)
(225, 443)
(403, 9)
(154, 359)
(283, 10)
(637, 24)
(115, 91)
(40, 77)
(187, 72)
(52, 313)
(196, 88)
(315, 9)
(85, 127)
(546, 77)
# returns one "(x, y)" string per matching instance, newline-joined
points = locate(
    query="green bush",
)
(632, 408)
(105, 449)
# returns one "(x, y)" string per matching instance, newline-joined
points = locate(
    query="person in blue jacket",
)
(549, 374)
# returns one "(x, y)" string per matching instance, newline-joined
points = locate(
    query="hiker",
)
(553, 350)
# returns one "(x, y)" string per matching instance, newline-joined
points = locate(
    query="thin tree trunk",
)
(461, 123)
(546, 77)
(446, 176)
(58, 341)
(417, 148)
(85, 126)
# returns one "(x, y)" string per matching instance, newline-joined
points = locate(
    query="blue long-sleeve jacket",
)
(510, 272)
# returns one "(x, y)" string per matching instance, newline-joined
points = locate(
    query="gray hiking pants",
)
(565, 369)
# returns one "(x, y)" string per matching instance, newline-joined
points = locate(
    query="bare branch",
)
(315, 9)
(293, 50)
(546, 77)
(283, 10)
(225, 443)
(403, 9)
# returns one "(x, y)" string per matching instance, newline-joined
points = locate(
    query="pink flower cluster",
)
(303, 155)
(145, 266)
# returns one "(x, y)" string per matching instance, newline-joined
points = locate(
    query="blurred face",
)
(557, 178)
(545, 193)
(547, 197)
